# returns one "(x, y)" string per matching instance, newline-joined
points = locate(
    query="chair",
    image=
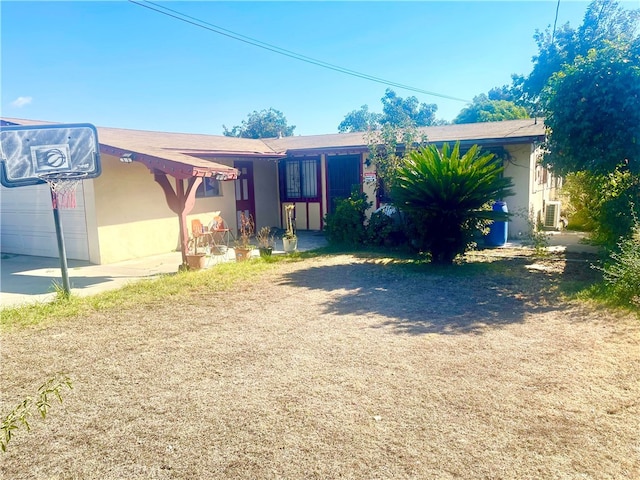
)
(197, 234)
(220, 237)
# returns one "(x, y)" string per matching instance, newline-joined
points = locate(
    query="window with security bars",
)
(300, 179)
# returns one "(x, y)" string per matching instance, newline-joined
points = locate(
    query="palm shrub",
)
(446, 197)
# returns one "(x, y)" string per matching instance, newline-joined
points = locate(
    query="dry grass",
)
(339, 367)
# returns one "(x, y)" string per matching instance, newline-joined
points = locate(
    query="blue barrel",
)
(498, 231)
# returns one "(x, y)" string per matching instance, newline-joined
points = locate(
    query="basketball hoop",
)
(63, 187)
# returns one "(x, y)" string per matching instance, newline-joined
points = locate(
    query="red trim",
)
(181, 170)
(250, 202)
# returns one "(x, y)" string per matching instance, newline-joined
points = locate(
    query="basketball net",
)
(63, 188)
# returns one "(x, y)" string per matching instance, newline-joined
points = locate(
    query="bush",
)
(385, 230)
(622, 272)
(598, 203)
(345, 226)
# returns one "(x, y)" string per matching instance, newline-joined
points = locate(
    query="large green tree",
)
(396, 112)
(485, 110)
(593, 119)
(264, 124)
(593, 112)
(604, 21)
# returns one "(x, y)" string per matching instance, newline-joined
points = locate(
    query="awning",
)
(180, 166)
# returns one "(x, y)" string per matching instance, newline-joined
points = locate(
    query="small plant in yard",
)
(59, 290)
(446, 197)
(265, 238)
(290, 230)
(20, 415)
(246, 229)
(266, 241)
(534, 235)
(622, 272)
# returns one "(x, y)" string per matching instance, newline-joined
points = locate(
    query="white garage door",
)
(28, 228)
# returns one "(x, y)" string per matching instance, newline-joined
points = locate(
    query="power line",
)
(281, 51)
(555, 22)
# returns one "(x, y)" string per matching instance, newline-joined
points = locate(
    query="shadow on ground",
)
(417, 300)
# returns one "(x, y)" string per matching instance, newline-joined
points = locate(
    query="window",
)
(210, 187)
(299, 179)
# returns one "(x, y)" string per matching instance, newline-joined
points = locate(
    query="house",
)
(141, 208)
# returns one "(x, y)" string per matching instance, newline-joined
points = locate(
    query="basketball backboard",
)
(29, 153)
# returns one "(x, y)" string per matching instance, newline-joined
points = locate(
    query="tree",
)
(593, 120)
(445, 196)
(408, 111)
(360, 121)
(484, 110)
(396, 112)
(604, 21)
(264, 124)
(593, 112)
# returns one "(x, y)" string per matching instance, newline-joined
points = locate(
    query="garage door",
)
(28, 228)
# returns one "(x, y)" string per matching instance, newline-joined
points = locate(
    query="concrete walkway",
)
(25, 279)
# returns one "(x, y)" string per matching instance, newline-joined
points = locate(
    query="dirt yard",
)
(340, 367)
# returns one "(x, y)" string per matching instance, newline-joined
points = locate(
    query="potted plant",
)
(195, 260)
(265, 241)
(245, 232)
(289, 239)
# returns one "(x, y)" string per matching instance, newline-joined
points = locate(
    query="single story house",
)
(129, 211)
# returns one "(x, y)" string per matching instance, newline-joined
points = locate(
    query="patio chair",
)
(220, 236)
(197, 235)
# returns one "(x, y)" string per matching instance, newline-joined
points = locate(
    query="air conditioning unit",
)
(552, 215)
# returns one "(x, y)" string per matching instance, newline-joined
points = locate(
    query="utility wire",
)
(287, 53)
(555, 22)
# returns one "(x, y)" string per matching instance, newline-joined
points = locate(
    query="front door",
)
(245, 200)
(343, 172)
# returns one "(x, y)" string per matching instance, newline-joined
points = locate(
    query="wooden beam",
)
(180, 202)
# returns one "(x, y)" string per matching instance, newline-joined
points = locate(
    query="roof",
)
(173, 153)
(508, 131)
(185, 148)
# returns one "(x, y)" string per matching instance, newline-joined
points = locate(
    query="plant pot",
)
(290, 244)
(242, 254)
(196, 261)
(266, 251)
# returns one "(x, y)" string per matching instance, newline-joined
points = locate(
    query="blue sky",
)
(118, 64)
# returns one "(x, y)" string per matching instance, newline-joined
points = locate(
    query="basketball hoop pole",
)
(59, 155)
(62, 252)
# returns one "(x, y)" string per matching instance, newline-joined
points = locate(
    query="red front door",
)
(245, 200)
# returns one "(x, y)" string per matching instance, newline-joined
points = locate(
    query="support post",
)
(181, 203)
(62, 252)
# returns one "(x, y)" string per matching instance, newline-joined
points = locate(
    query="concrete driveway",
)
(25, 279)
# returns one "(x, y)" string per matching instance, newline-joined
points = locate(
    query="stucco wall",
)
(133, 218)
(518, 167)
(531, 194)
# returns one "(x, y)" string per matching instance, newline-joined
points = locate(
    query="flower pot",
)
(242, 254)
(196, 261)
(266, 251)
(290, 244)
